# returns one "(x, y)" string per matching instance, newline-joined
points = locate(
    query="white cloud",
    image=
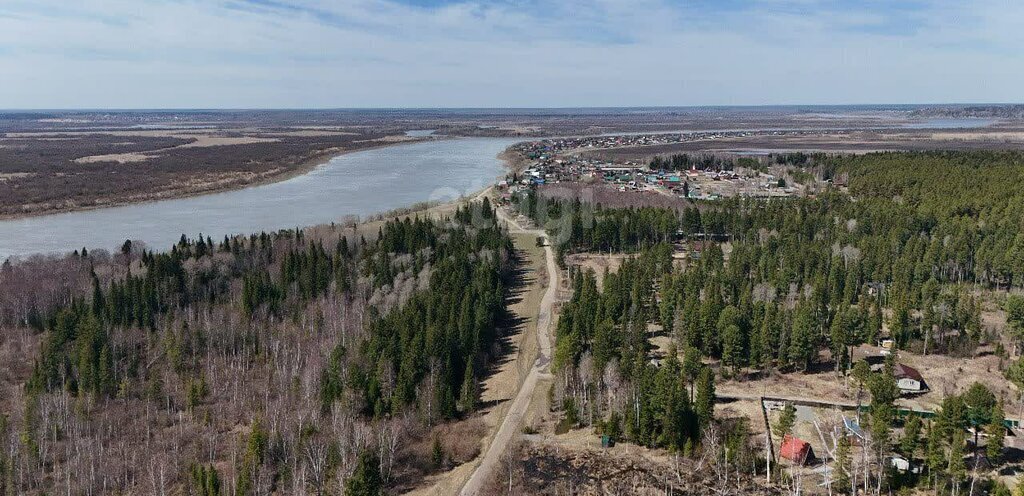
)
(318, 53)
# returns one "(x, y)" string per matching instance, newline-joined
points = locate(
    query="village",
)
(562, 162)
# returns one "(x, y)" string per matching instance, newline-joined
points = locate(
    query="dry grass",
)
(391, 139)
(199, 141)
(501, 386)
(944, 375)
(310, 133)
(14, 175)
(610, 197)
(504, 383)
(599, 263)
(121, 158)
(208, 140)
(837, 142)
(557, 467)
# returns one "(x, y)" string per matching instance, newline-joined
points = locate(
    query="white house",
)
(908, 379)
(903, 465)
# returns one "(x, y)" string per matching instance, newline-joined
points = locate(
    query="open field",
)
(599, 263)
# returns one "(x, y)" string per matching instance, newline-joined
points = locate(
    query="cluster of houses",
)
(552, 163)
(553, 146)
(800, 452)
(908, 379)
(692, 184)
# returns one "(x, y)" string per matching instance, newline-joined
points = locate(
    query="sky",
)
(510, 53)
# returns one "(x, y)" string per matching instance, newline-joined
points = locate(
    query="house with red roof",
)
(796, 450)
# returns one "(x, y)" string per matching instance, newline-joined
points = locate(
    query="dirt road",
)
(511, 424)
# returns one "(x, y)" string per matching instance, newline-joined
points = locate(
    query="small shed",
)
(903, 465)
(796, 450)
(908, 379)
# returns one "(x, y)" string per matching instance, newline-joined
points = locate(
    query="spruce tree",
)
(469, 392)
(786, 421)
(802, 349)
(911, 436)
(956, 468)
(366, 480)
(843, 467)
(996, 432)
(704, 404)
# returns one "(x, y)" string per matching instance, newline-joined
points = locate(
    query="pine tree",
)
(437, 454)
(605, 343)
(1014, 307)
(98, 304)
(1000, 489)
(758, 349)
(469, 393)
(996, 432)
(704, 404)
(732, 347)
(205, 480)
(255, 450)
(366, 480)
(839, 340)
(956, 469)
(935, 456)
(883, 410)
(802, 349)
(843, 466)
(911, 436)
(692, 367)
(786, 421)
(104, 375)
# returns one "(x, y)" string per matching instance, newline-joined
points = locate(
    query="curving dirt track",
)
(510, 425)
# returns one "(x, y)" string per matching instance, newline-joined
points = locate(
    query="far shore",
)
(316, 160)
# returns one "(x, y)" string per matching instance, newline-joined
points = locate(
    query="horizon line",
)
(510, 108)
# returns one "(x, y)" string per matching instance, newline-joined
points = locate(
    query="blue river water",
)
(359, 183)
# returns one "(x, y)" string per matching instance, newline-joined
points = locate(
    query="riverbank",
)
(514, 163)
(350, 185)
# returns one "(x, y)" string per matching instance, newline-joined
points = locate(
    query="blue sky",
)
(506, 53)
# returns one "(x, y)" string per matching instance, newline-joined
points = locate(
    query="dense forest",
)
(791, 285)
(728, 162)
(294, 361)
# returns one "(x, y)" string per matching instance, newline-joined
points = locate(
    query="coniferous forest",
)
(332, 359)
(295, 361)
(911, 250)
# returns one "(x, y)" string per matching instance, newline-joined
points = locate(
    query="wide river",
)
(358, 183)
